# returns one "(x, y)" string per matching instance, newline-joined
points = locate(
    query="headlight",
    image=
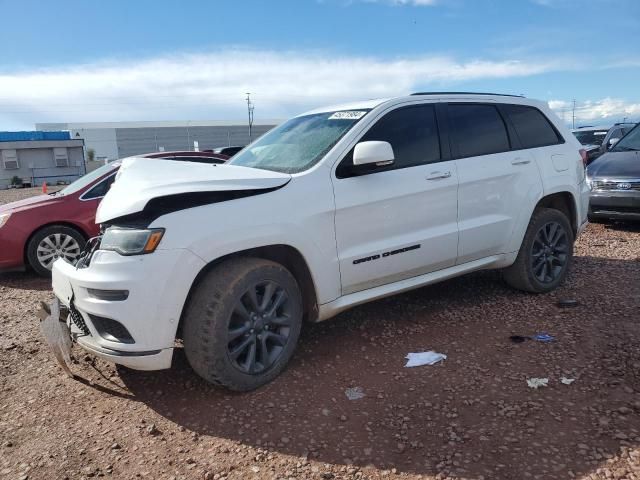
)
(4, 218)
(589, 183)
(131, 241)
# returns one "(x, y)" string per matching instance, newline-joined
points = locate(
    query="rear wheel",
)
(52, 243)
(545, 255)
(242, 323)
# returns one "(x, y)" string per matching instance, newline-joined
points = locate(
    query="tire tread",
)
(207, 308)
(519, 275)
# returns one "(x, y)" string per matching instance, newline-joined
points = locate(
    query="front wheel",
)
(545, 255)
(50, 244)
(242, 323)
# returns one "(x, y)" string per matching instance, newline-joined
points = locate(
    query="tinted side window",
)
(478, 129)
(412, 133)
(532, 127)
(100, 190)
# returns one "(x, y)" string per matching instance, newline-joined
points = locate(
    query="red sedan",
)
(39, 230)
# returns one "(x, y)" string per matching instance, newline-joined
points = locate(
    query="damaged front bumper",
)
(126, 309)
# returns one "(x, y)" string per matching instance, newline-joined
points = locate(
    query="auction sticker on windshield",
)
(348, 115)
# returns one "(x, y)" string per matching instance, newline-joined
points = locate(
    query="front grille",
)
(616, 185)
(78, 321)
(84, 259)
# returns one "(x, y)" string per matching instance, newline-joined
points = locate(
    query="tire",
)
(51, 243)
(224, 330)
(542, 265)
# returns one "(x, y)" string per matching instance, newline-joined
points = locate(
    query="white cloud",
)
(605, 110)
(213, 85)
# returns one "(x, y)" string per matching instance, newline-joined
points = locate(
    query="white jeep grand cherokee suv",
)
(333, 208)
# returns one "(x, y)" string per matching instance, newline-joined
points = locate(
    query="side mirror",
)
(613, 141)
(373, 152)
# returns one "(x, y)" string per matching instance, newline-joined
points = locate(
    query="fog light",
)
(109, 295)
(111, 330)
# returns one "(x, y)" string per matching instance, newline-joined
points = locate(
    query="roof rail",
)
(467, 93)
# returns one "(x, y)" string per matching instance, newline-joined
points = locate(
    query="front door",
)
(397, 221)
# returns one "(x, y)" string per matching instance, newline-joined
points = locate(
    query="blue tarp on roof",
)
(34, 135)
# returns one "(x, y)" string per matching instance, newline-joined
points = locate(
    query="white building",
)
(112, 140)
(31, 158)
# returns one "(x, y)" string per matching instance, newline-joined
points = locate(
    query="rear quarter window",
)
(532, 126)
(101, 189)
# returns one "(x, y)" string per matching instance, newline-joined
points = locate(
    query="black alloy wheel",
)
(549, 252)
(259, 327)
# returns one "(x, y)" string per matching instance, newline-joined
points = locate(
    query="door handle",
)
(438, 175)
(520, 161)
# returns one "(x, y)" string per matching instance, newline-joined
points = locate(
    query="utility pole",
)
(573, 116)
(250, 113)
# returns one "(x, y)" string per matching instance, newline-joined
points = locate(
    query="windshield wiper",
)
(627, 149)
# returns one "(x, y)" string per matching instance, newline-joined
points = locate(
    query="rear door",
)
(497, 179)
(398, 221)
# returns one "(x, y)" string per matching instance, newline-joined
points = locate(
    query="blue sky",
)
(115, 60)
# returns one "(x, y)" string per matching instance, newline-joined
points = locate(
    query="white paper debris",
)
(567, 381)
(424, 358)
(354, 393)
(537, 382)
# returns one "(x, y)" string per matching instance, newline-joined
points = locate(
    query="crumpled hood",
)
(615, 165)
(28, 203)
(141, 180)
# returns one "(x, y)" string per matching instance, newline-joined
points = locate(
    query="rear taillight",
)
(585, 157)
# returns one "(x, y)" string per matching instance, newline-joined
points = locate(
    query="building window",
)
(61, 157)
(10, 160)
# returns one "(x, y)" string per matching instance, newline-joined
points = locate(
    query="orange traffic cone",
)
(44, 187)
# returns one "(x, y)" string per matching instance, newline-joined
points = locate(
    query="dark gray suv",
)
(614, 179)
(598, 140)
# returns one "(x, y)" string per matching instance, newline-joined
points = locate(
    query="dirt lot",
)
(11, 195)
(471, 417)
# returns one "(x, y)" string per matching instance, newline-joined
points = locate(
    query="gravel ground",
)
(13, 194)
(471, 417)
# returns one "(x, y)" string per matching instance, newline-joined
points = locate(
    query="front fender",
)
(300, 215)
